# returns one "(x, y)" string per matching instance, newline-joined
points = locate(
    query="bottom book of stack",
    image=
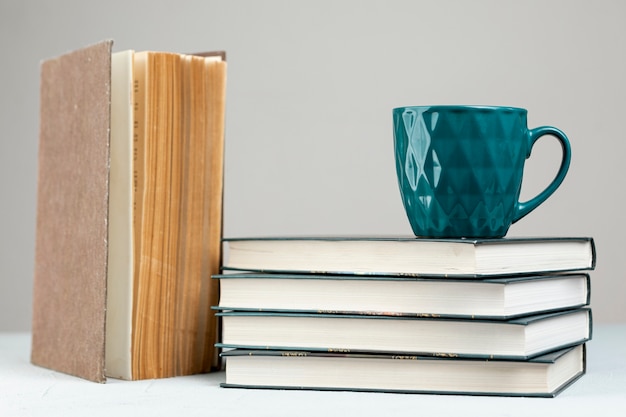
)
(542, 376)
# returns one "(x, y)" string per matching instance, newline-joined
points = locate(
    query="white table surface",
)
(27, 390)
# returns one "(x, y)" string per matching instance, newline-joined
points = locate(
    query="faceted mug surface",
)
(460, 168)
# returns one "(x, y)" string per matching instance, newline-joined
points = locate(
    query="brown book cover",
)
(71, 240)
(163, 323)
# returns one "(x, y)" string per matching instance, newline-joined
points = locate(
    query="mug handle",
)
(534, 134)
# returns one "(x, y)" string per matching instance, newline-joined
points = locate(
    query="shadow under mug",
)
(460, 168)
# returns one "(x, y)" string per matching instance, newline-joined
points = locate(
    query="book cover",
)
(542, 376)
(70, 274)
(411, 256)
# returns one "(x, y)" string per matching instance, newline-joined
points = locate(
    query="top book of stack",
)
(410, 256)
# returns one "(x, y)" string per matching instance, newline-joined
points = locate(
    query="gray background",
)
(310, 91)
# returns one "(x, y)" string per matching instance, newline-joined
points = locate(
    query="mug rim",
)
(459, 107)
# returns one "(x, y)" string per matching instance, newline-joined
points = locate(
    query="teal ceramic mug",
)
(460, 168)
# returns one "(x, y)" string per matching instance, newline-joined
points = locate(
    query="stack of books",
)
(481, 317)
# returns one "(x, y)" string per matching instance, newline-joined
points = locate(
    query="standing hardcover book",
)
(520, 339)
(129, 215)
(410, 256)
(542, 376)
(499, 298)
